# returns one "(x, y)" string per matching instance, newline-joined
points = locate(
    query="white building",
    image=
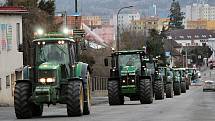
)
(10, 58)
(125, 19)
(199, 11)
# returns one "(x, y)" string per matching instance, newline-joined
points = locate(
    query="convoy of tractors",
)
(138, 76)
(57, 77)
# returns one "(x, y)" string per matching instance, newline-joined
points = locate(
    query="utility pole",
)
(76, 27)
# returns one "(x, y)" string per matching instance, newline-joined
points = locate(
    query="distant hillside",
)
(100, 7)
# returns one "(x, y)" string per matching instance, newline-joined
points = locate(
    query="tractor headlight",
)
(132, 80)
(47, 80)
(123, 81)
(42, 80)
(50, 80)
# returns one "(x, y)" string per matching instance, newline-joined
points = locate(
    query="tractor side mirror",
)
(106, 61)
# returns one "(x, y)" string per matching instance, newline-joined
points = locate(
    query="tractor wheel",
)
(169, 90)
(146, 91)
(87, 96)
(183, 87)
(75, 98)
(188, 84)
(22, 94)
(177, 88)
(37, 110)
(159, 90)
(114, 96)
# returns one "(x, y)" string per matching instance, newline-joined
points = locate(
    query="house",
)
(10, 58)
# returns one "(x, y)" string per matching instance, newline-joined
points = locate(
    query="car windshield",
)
(130, 60)
(52, 52)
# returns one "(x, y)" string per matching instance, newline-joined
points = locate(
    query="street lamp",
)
(117, 28)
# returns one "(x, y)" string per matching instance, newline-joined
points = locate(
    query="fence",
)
(99, 86)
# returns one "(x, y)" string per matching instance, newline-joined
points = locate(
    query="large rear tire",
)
(22, 94)
(75, 98)
(169, 90)
(146, 91)
(87, 96)
(114, 96)
(177, 88)
(183, 87)
(159, 90)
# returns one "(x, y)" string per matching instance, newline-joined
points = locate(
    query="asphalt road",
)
(195, 105)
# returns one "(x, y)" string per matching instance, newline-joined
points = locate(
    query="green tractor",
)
(131, 75)
(55, 78)
(180, 75)
(168, 80)
(176, 82)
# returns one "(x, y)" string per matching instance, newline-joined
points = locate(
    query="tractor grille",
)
(46, 73)
(127, 80)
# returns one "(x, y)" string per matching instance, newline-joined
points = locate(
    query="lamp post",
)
(117, 28)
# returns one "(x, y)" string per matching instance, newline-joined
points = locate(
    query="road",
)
(195, 105)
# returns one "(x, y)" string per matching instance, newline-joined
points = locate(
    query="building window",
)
(13, 83)
(18, 34)
(8, 81)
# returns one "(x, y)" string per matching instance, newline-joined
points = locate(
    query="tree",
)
(132, 40)
(154, 44)
(176, 16)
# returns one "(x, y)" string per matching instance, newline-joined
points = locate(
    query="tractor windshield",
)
(52, 52)
(130, 60)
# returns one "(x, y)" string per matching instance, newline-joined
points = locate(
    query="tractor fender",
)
(81, 72)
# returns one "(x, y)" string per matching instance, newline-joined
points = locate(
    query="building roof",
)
(13, 10)
(190, 34)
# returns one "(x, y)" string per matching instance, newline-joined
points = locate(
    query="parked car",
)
(209, 85)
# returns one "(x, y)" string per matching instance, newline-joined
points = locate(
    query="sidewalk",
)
(99, 100)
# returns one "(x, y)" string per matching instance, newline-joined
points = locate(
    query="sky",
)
(108, 7)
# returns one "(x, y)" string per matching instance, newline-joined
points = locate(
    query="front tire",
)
(177, 88)
(183, 87)
(22, 94)
(75, 98)
(169, 90)
(146, 91)
(114, 96)
(159, 90)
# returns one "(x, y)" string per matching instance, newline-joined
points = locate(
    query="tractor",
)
(180, 76)
(55, 77)
(131, 75)
(167, 74)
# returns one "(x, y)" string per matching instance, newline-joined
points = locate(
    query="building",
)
(92, 21)
(125, 20)
(145, 24)
(199, 11)
(70, 22)
(163, 22)
(201, 24)
(191, 37)
(10, 58)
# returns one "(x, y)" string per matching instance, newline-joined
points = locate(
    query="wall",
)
(10, 58)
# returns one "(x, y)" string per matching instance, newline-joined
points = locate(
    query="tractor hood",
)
(49, 66)
(128, 70)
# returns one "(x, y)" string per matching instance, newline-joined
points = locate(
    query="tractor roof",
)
(53, 39)
(129, 52)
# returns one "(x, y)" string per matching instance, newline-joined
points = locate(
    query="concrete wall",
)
(10, 58)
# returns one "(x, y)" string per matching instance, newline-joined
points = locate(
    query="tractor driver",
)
(54, 54)
(130, 62)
